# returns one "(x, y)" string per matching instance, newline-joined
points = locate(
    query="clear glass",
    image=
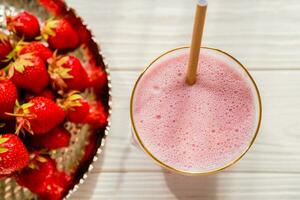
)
(136, 139)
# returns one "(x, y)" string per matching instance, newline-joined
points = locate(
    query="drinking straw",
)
(196, 42)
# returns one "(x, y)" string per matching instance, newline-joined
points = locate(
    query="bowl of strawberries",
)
(55, 100)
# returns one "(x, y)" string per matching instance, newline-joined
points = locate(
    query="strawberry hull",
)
(5, 49)
(29, 72)
(67, 73)
(13, 154)
(47, 113)
(24, 25)
(38, 49)
(60, 34)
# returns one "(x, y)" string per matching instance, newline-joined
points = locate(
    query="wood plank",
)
(166, 186)
(276, 149)
(260, 33)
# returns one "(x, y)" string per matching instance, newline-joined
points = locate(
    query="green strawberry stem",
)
(16, 114)
(72, 100)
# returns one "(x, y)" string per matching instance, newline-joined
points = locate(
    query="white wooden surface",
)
(263, 34)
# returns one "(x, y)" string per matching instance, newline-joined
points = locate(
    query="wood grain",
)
(263, 34)
(166, 186)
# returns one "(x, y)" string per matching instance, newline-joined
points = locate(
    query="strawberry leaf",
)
(20, 45)
(9, 56)
(17, 103)
(3, 37)
(31, 165)
(22, 62)
(41, 159)
(75, 97)
(62, 61)
(49, 28)
(3, 140)
(64, 72)
(3, 150)
(25, 107)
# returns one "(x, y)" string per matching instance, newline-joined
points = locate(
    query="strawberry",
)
(97, 79)
(97, 116)
(35, 176)
(67, 73)
(24, 25)
(55, 7)
(5, 49)
(3, 177)
(8, 97)
(43, 178)
(48, 94)
(37, 49)
(13, 154)
(57, 185)
(45, 93)
(90, 148)
(60, 34)
(39, 115)
(56, 138)
(83, 33)
(76, 107)
(29, 72)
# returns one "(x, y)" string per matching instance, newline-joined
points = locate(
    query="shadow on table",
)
(124, 158)
(191, 187)
(86, 190)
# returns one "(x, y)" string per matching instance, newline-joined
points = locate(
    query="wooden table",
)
(264, 35)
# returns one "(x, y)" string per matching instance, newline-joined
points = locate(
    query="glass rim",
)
(185, 172)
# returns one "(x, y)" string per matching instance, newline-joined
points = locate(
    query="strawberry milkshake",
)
(200, 128)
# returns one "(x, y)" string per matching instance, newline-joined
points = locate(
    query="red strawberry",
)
(83, 33)
(43, 178)
(90, 148)
(37, 49)
(60, 34)
(24, 25)
(97, 116)
(39, 115)
(56, 138)
(48, 94)
(55, 7)
(29, 72)
(67, 73)
(3, 177)
(56, 186)
(5, 49)
(35, 176)
(45, 93)
(13, 154)
(76, 107)
(97, 79)
(8, 97)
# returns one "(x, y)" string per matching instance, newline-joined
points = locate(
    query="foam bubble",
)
(199, 127)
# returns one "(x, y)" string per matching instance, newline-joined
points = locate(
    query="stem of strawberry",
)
(19, 127)
(15, 114)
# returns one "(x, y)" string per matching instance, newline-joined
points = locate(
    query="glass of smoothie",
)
(201, 128)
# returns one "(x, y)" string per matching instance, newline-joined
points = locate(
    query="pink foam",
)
(195, 128)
